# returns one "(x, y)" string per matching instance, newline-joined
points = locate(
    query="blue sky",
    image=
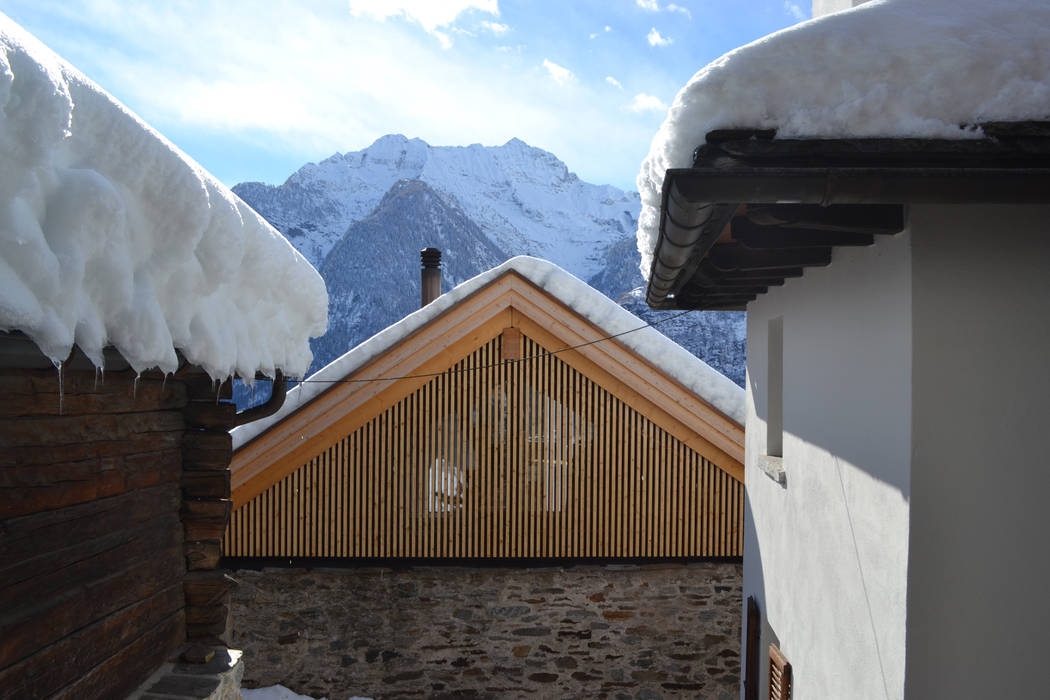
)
(254, 89)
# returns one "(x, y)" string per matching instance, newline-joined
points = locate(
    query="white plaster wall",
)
(826, 556)
(978, 604)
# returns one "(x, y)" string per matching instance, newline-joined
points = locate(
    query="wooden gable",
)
(509, 326)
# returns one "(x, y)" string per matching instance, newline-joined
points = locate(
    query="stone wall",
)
(615, 631)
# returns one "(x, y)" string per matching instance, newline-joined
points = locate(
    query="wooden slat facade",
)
(499, 458)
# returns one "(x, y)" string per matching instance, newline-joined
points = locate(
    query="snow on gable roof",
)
(693, 373)
(890, 68)
(109, 235)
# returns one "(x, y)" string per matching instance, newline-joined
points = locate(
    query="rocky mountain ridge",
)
(362, 217)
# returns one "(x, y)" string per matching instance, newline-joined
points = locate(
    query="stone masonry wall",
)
(616, 631)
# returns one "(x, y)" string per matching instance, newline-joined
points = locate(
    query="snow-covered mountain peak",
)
(524, 198)
(361, 217)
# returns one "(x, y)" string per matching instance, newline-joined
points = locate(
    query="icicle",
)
(164, 383)
(252, 402)
(218, 389)
(135, 387)
(61, 392)
(98, 370)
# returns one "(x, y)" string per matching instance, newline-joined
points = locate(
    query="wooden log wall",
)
(499, 458)
(114, 496)
(206, 452)
(91, 542)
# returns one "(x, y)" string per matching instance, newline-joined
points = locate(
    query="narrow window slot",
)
(775, 394)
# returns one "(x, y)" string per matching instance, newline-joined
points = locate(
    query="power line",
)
(546, 353)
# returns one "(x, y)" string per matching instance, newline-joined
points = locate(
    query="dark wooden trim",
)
(259, 563)
(852, 218)
(733, 257)
(754, 632)
(822, 193)
(757, 237)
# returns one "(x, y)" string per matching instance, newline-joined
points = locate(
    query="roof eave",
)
(699, 203)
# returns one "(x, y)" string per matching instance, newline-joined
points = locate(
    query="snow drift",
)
(920, 68)
(109, 235)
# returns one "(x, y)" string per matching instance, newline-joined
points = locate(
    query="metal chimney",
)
(430, 275)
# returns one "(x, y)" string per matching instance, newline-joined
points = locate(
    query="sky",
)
(254, 89)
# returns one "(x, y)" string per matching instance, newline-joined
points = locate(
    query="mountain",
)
(523, 198)
(362, 217)
(372, 272)
(717, 337)
(619, 272)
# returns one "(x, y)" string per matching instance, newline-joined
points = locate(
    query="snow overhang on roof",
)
(607, 317)
(892, 74)
(754, 210)
(110, 237)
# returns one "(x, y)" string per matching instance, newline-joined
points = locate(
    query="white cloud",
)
(613, 81)
(430, 14)
(678, 8)
(495, 27)
(795, 11)
(560, 74)
(239, 91)
(654, 6)
(656, 40)
(445, 39)
(646, 103)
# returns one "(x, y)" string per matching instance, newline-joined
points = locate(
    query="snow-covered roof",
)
(109, 235)
(889, 68)
(693, 373)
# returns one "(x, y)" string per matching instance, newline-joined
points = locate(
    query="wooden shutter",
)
(779, 675)
(754, 627)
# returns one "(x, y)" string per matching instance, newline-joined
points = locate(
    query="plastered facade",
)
(977, 603)
(825, 554)
(905, 554)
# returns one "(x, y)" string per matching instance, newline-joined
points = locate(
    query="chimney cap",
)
(431, 257)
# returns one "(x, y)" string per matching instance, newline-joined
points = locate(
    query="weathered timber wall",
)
(91, 550)
(650, 631)
(109, 491)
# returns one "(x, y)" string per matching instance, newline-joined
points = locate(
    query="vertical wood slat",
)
(507, 459)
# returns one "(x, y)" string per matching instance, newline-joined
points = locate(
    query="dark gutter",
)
(272, 405)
